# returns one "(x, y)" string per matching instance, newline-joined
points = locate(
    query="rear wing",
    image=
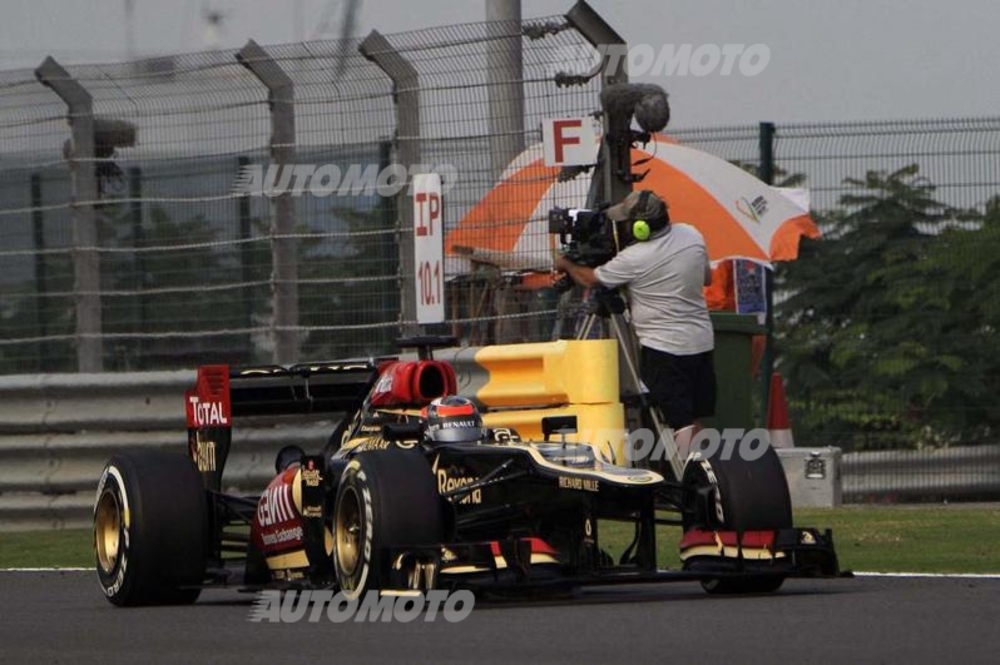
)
(222, 393)
(301, 389)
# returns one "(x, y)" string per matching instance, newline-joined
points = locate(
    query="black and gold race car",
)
(413, 492)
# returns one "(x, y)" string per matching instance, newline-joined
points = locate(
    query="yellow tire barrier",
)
(519, 384)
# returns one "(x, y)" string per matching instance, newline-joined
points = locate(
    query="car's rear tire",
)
(737, 495)
(150, 529)
(386, 499)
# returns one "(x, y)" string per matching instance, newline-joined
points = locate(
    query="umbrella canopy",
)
(739, 215)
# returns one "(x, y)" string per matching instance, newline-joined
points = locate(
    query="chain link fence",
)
(185, 263)
(181, 268)
(187, 235)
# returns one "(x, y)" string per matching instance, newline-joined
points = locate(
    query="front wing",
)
(529, 563)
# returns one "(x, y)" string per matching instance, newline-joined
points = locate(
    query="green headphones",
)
(640, 230)
(640, 227)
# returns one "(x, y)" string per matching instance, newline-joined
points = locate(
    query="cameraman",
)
(665, 268)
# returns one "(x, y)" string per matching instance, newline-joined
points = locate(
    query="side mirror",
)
(558, 425)
(402, 431)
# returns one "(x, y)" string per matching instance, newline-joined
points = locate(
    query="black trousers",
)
(682, 386)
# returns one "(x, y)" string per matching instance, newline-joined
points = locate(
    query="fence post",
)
(284, 247)
(607, 185)
(388, 246)
(406, 93)
(139, 260)
(766, 169)
(86, 259)
(505, 82)
(41, 275)
(246, 256)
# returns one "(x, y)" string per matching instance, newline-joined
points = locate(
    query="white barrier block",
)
(813, 474)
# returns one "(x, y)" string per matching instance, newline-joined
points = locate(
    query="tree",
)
(782, 178)
(964, 265)
(883, 331)
(25, 313)
(352, 285)
(174, 291)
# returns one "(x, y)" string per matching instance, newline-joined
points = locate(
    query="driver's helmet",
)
(453, 419)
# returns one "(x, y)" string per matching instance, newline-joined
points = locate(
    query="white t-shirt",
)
(665, 276)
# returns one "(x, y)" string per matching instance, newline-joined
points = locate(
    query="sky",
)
(829, 61)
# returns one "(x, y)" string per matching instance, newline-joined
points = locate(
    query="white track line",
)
(43, 570)
(990, 576)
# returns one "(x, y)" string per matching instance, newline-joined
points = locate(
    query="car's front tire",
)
(150, 529)
(737, 495)
(386, 500)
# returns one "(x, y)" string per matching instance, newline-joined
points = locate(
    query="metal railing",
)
(57, 431)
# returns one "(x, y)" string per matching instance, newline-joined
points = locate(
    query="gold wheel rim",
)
(347, 531)
(107, 530)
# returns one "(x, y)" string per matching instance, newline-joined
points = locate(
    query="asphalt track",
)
(61, 617)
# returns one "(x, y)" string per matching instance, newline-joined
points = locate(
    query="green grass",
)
(919, 539)
(912, 539)
(44, 549)
(933, 539)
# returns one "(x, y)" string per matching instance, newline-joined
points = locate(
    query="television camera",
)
(588, 237)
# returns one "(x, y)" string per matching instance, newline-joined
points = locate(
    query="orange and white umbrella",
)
(739, 215)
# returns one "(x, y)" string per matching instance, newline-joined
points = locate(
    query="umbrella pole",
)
(767, 358)
(766, 169)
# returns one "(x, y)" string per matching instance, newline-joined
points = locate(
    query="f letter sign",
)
(570, 141)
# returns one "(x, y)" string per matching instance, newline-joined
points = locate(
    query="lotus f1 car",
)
(412, 493)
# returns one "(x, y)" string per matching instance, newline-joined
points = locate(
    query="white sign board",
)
(428, 247)
(570, 141)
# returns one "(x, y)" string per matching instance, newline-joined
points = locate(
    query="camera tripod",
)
(608, 304)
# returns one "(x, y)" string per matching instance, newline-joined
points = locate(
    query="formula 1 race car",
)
(414, 493)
